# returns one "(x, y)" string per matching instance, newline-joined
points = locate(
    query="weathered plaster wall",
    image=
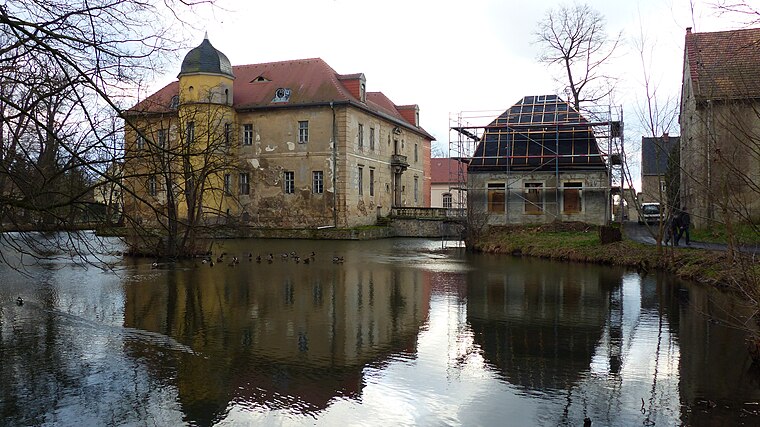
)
(594, 197)
(720, 164)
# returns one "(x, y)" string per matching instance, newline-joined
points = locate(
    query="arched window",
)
(447, 200)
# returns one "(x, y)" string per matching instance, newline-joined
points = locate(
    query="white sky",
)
(450, 56)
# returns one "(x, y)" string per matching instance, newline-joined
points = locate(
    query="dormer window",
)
(363, 92)
(260, 79)
(174, 103)
(281, 95)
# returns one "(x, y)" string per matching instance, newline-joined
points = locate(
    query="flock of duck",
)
(268, 258)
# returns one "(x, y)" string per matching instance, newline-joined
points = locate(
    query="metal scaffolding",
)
(468, 128)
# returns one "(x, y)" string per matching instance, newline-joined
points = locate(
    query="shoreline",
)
(582, 243)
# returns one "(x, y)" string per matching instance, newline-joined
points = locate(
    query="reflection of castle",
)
(538, 326)
(279, 337)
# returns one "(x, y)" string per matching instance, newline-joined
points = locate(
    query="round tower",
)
(206, 76)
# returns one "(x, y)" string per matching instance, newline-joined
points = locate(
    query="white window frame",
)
(289, 182)
(447, 201)
(244, 183)
(248, 134)
(318, 182)
(303, 131)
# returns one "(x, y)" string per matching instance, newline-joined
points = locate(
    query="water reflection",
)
(279, 335)
(400, 334)
(538, 327)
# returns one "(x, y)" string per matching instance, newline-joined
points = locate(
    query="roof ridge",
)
(287, 61)
(723, 31)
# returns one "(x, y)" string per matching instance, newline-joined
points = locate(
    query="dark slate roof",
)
(724, 64)
(655, 153)
(206, 59)
(532, 132)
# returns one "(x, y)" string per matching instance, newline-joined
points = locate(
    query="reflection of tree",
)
(713, 354)
(539, 327)
(27, 390)
(282, 337)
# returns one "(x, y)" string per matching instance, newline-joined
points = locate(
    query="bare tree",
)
(739, 8)
(657, 115)
(575, 39)
(65, 70)
(178, 177)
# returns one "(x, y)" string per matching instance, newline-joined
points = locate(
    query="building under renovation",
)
(541, 161)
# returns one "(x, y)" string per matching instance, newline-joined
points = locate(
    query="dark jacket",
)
(684, 220)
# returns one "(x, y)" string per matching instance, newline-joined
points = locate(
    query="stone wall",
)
(594, 198)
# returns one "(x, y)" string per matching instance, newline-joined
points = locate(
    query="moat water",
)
(401, 332)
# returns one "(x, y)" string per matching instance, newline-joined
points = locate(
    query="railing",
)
(399, 160)
(428, 213)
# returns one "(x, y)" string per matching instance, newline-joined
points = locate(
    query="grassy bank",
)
(581, 243)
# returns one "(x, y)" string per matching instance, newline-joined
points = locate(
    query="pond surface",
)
(399, 333)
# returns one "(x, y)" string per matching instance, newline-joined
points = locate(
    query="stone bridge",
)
(428, 222)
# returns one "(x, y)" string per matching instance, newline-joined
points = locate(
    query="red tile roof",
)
(311, 81)
(724, 64)
(444, 170)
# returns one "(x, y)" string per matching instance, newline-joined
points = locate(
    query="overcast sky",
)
(452, 56)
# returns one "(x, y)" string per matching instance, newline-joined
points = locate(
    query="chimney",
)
(688, 30)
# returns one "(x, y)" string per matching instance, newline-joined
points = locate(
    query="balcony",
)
(398, 163)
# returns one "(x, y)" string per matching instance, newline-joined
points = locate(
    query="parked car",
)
(650, 213)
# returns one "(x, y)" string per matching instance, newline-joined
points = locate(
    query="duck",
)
(297, 259)
(337, 259)
(306, 260)
(19, 301)
(312, 255)
(258, 258)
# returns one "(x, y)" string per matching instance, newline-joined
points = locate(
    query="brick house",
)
(448, 182)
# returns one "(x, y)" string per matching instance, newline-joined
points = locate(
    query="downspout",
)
(708, 190)
(335, 167)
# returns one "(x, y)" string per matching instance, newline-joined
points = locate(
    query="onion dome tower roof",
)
(206, 59)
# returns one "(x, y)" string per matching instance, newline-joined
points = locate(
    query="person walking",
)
(683, 225)
(675, 226)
